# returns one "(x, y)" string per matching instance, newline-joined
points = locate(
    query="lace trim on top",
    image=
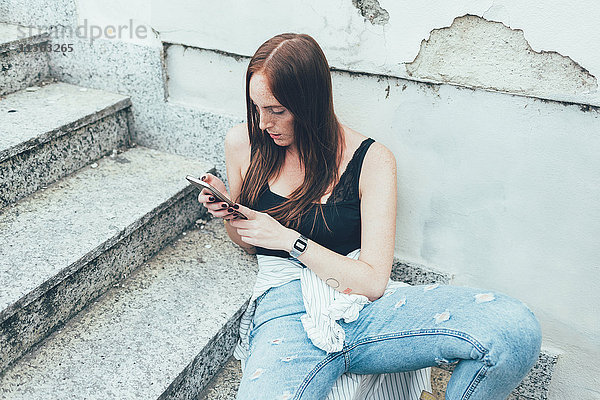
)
(347, 187)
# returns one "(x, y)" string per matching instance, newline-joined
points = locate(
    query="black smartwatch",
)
(299, 246)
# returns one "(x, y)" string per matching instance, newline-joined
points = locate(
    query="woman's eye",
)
(277, 112)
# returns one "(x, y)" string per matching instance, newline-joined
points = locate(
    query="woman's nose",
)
(264, 121)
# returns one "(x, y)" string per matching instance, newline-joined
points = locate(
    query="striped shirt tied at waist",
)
(324, 307)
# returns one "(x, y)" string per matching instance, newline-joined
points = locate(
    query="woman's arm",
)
(237, 153)
(237, 159)
(370, 273)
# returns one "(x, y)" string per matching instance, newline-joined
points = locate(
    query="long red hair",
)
(299, 78)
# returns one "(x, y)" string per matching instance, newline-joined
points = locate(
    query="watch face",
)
(300, 245)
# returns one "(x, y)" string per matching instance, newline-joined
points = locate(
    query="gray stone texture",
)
(416, 274)
(114, 66)
(20, 68)
(50, 111)
(41, 13)
(536, 384)
(158, 334)
(63, 246)
(224, 385)
(53, 132)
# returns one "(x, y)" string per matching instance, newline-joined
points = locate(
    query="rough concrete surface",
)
(225, 384)
(20, 68)
(31, 170)
(416, 274)
(39, 114)
(12, 36)
(36, 150)
(486, 54)
(114, 66)
(43, 13)
(137, 340)
(63, 246)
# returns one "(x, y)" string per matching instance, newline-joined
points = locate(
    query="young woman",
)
(320, 202)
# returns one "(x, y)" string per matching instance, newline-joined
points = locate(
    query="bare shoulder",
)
(237, 152)
(379, 156)
(378, 169)
(236, 139)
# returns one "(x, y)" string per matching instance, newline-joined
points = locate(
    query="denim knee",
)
(518, 344)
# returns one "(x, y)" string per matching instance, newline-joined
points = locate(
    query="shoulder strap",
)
(359, 155)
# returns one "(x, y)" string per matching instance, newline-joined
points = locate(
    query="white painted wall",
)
(350, 42)
(501, 190)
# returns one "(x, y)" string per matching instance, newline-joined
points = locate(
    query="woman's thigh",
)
(283, 363)
(420, 326)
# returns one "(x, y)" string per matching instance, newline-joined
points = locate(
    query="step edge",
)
(40, 139)
(228, 328)
(14, 44)
(69, 270)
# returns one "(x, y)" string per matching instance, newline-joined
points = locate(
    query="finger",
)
(247, 239)
(214, 181)
(247, 212)
(206, 197)
(207, 177)
(221, 214)
(215, 207)
(239, 223)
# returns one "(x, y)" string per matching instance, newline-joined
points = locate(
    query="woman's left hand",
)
(260, 229)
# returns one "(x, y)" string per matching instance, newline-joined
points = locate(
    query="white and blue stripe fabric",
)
(324, 307)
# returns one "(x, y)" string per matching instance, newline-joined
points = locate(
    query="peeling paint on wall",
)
(487, 54)
(371, 10)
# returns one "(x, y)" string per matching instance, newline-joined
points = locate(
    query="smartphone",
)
(218, 195)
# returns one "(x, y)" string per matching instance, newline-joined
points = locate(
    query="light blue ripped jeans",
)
(495, 339)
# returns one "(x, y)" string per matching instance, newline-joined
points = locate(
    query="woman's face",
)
(274, 118)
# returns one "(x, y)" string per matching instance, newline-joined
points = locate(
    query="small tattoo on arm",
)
(347, 291)
(332, 282)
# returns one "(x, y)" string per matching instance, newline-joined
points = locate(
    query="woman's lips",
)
(274, 135)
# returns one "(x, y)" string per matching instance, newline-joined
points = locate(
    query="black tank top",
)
(341, 211)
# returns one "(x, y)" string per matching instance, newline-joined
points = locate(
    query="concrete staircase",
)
(112, 285)
(113, 281)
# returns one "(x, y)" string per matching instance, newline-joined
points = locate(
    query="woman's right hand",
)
(214, 207)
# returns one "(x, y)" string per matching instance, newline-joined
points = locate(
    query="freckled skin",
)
(274, 118)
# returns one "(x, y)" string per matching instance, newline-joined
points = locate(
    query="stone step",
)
(22, 64)
(161, 333)
(51, 131)
(64, 246)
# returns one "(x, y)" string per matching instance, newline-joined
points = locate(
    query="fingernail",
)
(224, 205)
(211, 198)
(230, 209)
(236, 206)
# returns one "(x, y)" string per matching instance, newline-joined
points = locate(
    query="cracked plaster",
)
(372, 10)
(486, 54)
